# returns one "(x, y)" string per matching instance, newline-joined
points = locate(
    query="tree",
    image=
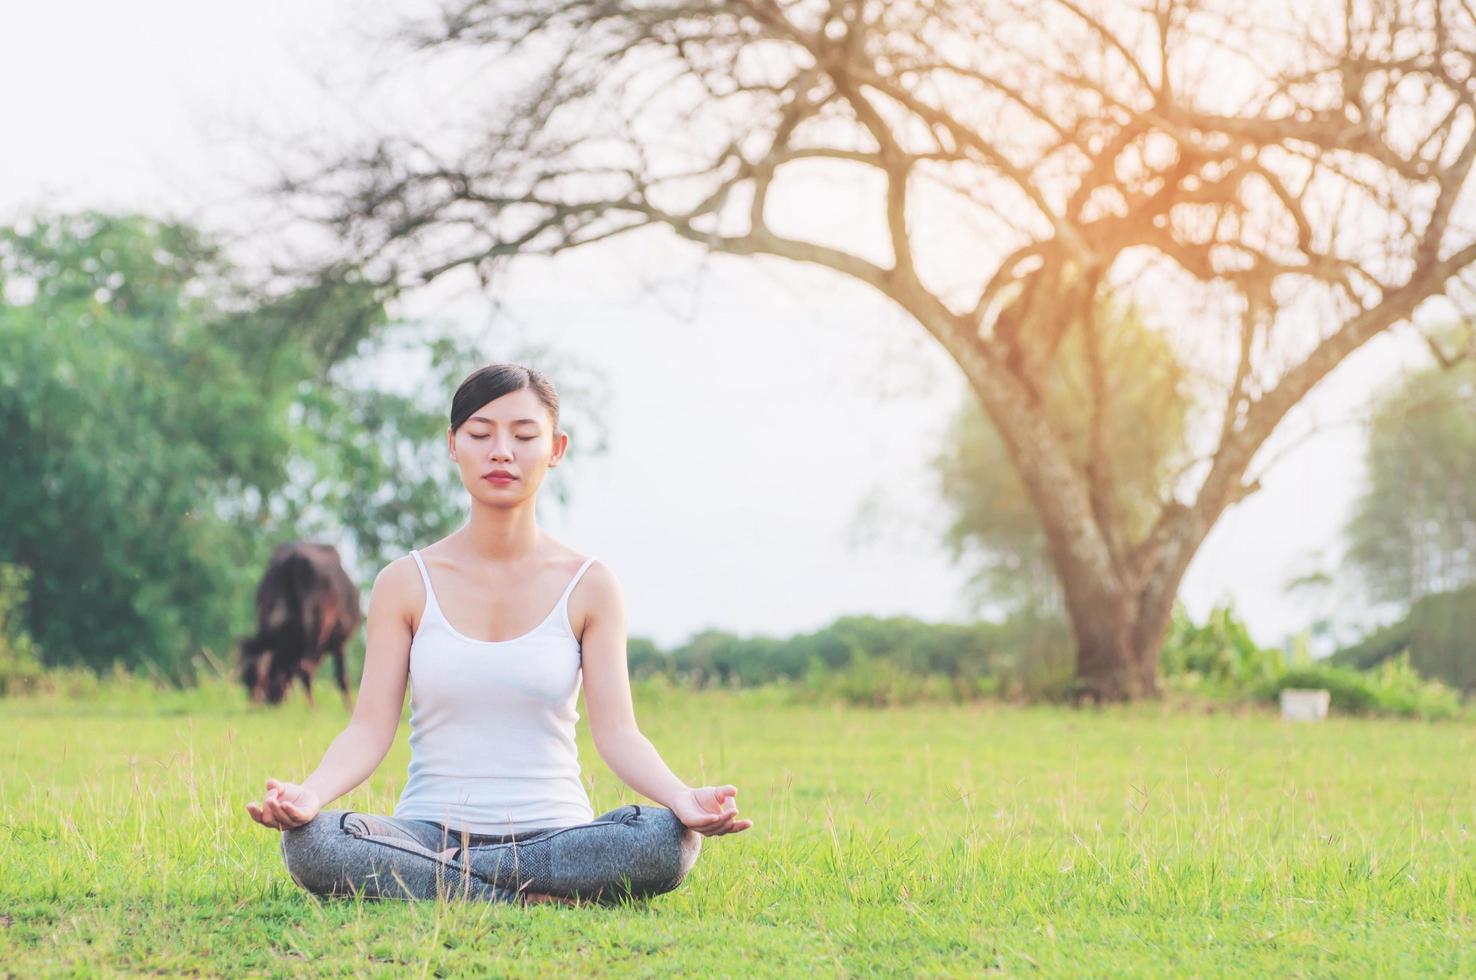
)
(1435, 633)
(1412, 534)
(992, 514)
(164, 432)
(1413, 529)
(1285, 178)
(125, 420)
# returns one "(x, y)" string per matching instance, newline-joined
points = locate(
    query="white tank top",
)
(492, 747)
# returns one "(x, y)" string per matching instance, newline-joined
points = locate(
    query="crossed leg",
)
(633, 851)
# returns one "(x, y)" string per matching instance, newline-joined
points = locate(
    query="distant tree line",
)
(961, 652)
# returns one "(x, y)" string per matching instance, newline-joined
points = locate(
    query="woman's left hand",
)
(710, 810)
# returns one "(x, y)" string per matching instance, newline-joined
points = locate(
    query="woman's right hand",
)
(286, 805)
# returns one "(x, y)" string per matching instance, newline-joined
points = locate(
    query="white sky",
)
(747, 431)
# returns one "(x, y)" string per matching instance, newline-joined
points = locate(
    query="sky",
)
(768, 429)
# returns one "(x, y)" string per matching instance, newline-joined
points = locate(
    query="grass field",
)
(940, 841)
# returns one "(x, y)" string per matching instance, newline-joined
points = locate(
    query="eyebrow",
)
(482, 418)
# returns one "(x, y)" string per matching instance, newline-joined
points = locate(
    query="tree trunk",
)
(1117, 642)
(1106, 664)
(1119, 610)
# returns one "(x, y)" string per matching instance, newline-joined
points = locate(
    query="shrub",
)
(1219, 656)
(20, 667)
(876, 659)
(877, 682)
(1392, 688)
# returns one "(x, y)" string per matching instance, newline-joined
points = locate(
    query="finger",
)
(703, 822)
(720, 826)
(736, 826)
(704, 808)
(711, 817)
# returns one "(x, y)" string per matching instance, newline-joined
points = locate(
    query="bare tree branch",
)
(1304, 172)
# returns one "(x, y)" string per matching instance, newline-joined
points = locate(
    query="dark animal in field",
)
(306, 608)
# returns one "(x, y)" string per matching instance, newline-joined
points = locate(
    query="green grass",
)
(939, 841)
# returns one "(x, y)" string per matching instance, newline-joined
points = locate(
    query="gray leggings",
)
(633, 851)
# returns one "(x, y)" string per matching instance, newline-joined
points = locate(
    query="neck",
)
(503, 534)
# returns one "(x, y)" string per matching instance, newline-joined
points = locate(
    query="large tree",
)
(1285, 179)
(992, 519)
(161, 433)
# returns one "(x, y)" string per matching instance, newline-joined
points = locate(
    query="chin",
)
(511, 494)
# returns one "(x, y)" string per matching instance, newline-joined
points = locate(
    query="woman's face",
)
(510, 434)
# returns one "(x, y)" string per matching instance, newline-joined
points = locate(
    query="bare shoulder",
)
(598, 577)
(596, 597)
(398, 589)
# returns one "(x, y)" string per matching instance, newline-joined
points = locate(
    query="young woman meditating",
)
(494, 808)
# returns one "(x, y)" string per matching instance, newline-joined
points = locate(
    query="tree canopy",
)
(993, 520)
(1287, 181)
(1413, 529)
(165, 430)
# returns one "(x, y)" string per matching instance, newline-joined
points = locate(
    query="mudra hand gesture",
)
(710, 810)
(285, 806)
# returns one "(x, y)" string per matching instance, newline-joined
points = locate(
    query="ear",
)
(560, 446)
(451, 442)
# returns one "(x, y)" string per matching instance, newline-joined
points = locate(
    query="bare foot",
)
(539, 898)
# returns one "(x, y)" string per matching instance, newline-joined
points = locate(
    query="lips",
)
(499, 475)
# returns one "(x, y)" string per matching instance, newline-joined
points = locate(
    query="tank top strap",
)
(569, 589)
(430, 593)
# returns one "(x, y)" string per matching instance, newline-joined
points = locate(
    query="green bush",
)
(1220, 659)
(22, 672)
(877, 682)
(20, 668)
(1392, 688)
(1436, 632)
(875, 658)
(1217, 657)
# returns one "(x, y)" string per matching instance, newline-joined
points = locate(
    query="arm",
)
(628, 752)
(358, 750)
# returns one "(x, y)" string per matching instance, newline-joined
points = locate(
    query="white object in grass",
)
(1304, 704)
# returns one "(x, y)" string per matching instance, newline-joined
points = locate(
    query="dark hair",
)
(495, 380)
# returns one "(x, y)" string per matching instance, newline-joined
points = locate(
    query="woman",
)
(494, 808)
